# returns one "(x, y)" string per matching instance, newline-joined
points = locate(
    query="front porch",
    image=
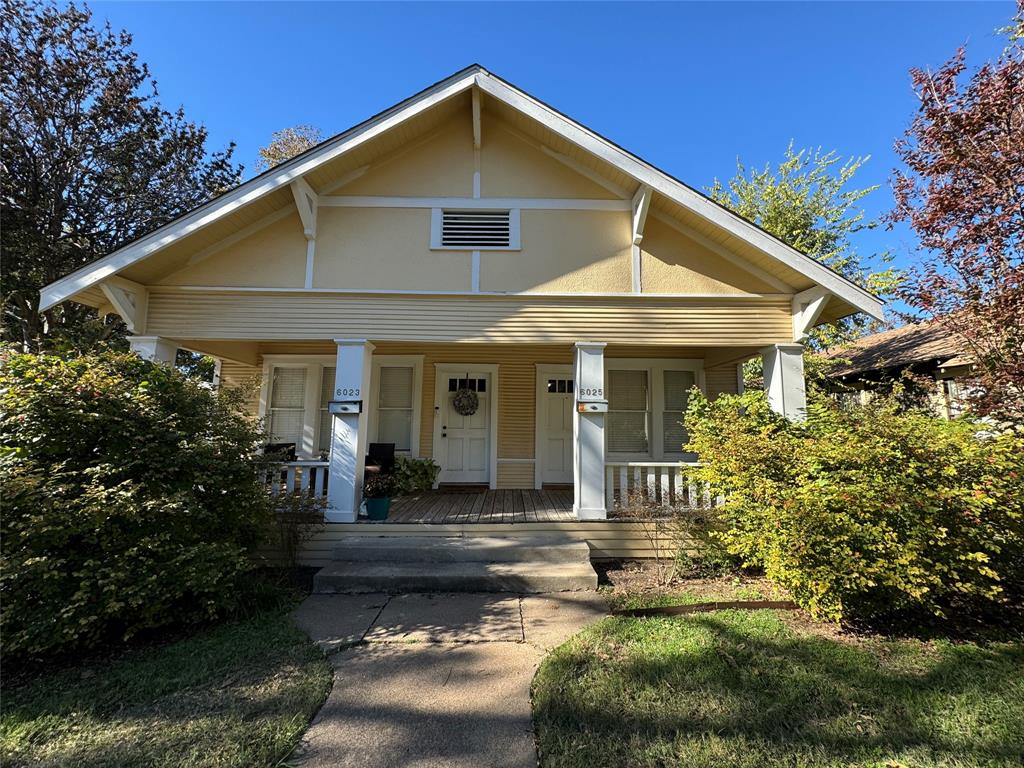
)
(483, 506)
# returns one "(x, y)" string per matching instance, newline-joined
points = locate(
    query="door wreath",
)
(465, 402)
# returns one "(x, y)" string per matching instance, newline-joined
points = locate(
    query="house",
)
(930, 350)
(474, 238)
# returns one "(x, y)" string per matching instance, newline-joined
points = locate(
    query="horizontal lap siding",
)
(245, 377)
(721, 380)
(657, 321)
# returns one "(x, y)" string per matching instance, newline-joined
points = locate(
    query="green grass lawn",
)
(761, 689)
(235, 695)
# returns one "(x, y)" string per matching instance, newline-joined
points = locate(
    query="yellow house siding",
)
(273, 257)
(510, 166)
(564, 251)
(384, 249)
(515, 475)
(245, 377)
(282, 316)
(673, 263)
(721, 380)
(440, 165)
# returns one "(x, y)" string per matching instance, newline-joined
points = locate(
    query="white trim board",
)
(496, 88)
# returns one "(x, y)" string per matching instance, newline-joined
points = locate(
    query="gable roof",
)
(474, 76)
(897, 348)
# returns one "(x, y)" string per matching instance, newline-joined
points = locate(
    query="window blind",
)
(628, 412)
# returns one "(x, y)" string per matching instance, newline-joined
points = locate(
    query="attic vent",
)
(476, 230)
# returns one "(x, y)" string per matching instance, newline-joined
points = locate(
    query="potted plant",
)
(378, 488)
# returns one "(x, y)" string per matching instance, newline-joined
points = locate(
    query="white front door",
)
(464, 447)
(554, 420)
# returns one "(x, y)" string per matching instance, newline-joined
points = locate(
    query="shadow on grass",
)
(743, 689)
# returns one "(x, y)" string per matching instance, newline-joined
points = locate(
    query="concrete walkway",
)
(431, 680)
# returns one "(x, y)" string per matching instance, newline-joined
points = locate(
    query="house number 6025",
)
(346, 392)
(592, 392)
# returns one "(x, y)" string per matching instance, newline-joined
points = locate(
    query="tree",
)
(805, 202)
(286, 144)
(91, 160)
(962, 192)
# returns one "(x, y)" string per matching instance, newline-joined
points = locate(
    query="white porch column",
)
(155, 348)
(784, 380)
(348, 431)
(588, 431)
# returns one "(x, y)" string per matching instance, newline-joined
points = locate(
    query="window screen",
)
(287, 405)
(677, 388)
(395, 407)
(628, 412)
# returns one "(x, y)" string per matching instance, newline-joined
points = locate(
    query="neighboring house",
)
(873, 363)
(472, 237)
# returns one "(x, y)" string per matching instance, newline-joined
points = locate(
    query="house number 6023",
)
(346, 392)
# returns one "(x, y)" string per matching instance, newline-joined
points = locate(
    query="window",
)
(474, 230)
(395, 406)
(646, 403)
(628, 412)
(560, 385)
(298, 390)
(287, 405)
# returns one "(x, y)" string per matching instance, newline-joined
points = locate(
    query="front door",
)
(464, 447)
(555, 423)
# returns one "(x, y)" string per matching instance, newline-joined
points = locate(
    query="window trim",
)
(514, 237)
(397, 361)
(655, 368)
(314, 365)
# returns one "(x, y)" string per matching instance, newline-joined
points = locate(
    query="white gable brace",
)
(641, 204)
(129, 300)
(492, 87)
(807, 307)
(307, 202)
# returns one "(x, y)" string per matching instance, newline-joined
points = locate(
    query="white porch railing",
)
(308, 477)
(663, 483)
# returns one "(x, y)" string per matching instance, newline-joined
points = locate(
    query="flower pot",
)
(377, 509)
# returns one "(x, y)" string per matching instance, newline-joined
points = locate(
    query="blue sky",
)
(688, 86)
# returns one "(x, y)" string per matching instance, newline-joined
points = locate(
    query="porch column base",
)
(588, 432)
(591, 514)
(348, 431)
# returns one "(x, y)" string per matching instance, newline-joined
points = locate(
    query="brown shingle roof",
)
(915, 343)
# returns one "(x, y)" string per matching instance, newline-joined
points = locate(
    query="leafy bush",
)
(413, 475)
(866, 512)
(131, 500)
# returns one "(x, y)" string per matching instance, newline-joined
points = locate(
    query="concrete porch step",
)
(468, 549)
(363, 576)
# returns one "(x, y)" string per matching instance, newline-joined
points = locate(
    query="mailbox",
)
(593, 406)
(338, 407)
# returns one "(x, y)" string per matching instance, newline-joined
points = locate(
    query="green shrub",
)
(412, 475)
(131, 500)
(866, 512)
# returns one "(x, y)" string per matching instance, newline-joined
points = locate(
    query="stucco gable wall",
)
(273, 257)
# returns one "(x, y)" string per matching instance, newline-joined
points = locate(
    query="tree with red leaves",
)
(962, 191)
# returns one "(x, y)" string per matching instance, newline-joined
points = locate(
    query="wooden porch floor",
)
(446, 506)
